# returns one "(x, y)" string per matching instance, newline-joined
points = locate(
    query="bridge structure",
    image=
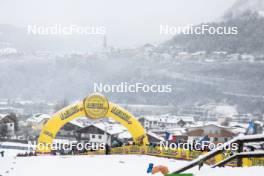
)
(239, 155)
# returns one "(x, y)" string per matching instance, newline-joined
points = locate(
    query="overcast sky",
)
(128, 23)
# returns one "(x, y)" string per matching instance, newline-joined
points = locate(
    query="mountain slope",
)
(248, 40)
(241, 6)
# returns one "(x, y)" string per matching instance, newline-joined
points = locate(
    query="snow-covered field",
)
(116, 165)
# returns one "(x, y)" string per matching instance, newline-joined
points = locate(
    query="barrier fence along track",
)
(179, 154)
(216, 157)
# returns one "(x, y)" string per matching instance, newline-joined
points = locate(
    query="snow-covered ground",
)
(117, 165)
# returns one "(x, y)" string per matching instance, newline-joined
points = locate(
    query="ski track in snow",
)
(101, 165)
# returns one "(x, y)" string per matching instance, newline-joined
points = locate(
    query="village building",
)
(165, 121)
(100, 133)
(68, 132)
(216, 133)
(8, 124)
(153, 138)
(37, 121)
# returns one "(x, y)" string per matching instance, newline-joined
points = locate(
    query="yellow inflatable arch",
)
(94, 106)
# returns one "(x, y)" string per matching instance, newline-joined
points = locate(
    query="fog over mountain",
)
(40, 69)
(241, 6)
(20, 38)
(249, 38)
(128, 23)
(238, 83)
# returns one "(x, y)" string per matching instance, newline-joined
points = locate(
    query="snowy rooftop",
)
(169, 118)
(127, 135)
(155, 135)
(221, 109)
(210, 124)
(3, 115)
(239, 130)
(124, 135)
(37, 118)
(81, 122)
(110, 128)
(237, 124)
(175, 131)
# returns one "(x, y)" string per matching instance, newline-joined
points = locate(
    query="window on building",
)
(99, 136)
(215, 139)
(93, 136)
(226, 139)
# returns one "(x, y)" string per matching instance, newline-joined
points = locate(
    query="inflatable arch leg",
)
(94, 106)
